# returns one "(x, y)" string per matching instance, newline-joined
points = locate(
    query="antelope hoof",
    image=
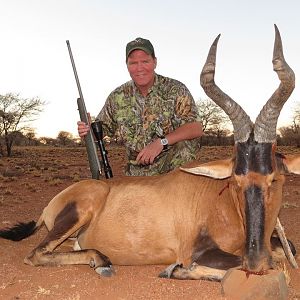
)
(105, 271)
(167, 273)
(27, 261)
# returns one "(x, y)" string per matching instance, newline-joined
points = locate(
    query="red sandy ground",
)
(33, 176)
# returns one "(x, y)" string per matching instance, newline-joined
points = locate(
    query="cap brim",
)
(139, 48)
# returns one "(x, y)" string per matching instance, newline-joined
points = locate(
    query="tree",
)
(44, 140)
(296, 118)
(290, 135)
(30, 136)
(216, 124)
(15, 114)
(65, 138)
(212, 116)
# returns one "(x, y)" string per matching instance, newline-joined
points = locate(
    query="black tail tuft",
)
(19, 231)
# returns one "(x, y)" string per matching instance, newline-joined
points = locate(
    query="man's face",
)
(141, 66)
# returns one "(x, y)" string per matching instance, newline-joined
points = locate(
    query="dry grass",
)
(289, 205)
(55, 181)
(8, 191)
(30, 186)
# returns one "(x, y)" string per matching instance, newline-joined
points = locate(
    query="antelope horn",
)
(266, 122)
(242, 124)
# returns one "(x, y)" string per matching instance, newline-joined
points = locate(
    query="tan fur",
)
(149, 220)
(154, 220)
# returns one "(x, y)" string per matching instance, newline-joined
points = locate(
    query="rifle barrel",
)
(89, 140)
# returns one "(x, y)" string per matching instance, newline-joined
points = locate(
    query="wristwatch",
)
(164, 142)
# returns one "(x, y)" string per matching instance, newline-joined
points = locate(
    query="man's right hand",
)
(82, 129)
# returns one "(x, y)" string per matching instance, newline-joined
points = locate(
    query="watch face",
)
(164, 141)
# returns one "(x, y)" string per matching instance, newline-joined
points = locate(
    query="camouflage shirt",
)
(140, 120)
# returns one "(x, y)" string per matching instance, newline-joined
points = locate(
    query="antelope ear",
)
(219, 169)
(292, 162)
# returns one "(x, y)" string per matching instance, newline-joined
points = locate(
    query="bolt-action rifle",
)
(93, 159)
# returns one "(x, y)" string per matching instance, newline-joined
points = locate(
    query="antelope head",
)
(256, 177)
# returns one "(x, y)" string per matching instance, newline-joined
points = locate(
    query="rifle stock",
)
(93, 159)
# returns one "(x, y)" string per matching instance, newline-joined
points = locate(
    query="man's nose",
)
(140, 66)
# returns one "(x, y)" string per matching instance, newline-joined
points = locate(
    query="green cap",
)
(141, 44)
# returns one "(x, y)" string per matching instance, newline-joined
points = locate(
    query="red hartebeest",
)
(220, 219)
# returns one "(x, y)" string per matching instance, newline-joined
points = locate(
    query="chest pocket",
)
(158, 116)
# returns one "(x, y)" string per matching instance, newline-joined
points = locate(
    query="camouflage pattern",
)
(140, 120)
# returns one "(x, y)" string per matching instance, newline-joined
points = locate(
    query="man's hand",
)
(83, 128)
(149, 153)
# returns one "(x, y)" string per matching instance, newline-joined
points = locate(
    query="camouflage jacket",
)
(139, 120)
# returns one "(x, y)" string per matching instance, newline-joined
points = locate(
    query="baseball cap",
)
(141, 44)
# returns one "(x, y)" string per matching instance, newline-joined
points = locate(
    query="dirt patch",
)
(33, 176)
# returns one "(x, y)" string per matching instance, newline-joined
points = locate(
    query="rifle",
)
(93, 159)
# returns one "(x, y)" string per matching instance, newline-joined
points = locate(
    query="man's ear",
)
(155, 62)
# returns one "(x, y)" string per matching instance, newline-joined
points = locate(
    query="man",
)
(155, 116)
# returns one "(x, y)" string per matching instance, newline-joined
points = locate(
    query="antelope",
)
(200, 220)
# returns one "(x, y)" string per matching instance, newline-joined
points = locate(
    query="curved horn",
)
(242, 124)
(266, 122)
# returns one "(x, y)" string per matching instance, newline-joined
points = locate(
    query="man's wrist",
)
(164, 142)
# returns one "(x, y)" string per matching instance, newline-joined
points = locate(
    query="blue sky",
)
(34, 59)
